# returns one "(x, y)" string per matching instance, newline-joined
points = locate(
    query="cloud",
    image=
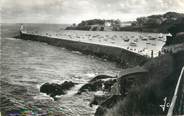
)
(69, 11)
(141, 6)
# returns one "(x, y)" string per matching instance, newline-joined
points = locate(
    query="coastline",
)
(162, 71)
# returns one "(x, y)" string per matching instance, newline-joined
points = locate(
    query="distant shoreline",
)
(152, 24)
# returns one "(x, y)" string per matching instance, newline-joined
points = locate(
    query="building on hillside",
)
(125, 24)
(96, 27)
(108, 23)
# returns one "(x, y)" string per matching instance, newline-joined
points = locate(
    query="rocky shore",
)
(140, 91)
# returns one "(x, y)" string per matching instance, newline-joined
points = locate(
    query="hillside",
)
(96, 25)
(155, 23)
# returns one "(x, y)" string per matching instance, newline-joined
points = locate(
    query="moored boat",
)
(133, 44)
(126, 40)
(144, 39)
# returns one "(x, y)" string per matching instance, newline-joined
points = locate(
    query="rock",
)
(115, 89)
(91, 86)
(108, 84)
(107, 104)
(54, 89)
(99, 77)
(130, 78)
(101, 82)
(67, 85)
(98, 99)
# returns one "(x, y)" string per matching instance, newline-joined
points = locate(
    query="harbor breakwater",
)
(119, 55)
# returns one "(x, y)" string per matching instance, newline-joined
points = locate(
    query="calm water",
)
(25, 65)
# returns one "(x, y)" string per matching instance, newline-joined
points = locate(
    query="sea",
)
(26, 65)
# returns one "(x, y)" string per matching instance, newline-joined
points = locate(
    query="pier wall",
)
(119, 55)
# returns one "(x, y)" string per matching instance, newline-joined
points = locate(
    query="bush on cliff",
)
(146, 99)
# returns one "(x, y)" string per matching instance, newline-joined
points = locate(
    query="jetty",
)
(125, 57)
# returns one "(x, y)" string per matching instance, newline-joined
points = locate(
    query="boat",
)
(126, 40)
(144, 39)
(133, 44)
(152, 38)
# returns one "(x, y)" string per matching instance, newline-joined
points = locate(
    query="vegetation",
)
(155, 23)
(96, 25)
(146, 99)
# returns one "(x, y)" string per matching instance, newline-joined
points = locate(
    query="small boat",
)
(152, 38)
(133, 44)
(144, 39)
(126, 40)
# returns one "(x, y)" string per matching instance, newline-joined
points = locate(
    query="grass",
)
(145, 100)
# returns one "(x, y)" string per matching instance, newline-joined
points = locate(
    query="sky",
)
(74, 11)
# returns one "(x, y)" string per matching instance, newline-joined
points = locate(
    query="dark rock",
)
(111, 101)
(108, 84)
(100, 111)
(107, 104)
(67, 85)
(91, 86)
(54, 89)
(100, 77)
(97, 83)
(98, 99)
